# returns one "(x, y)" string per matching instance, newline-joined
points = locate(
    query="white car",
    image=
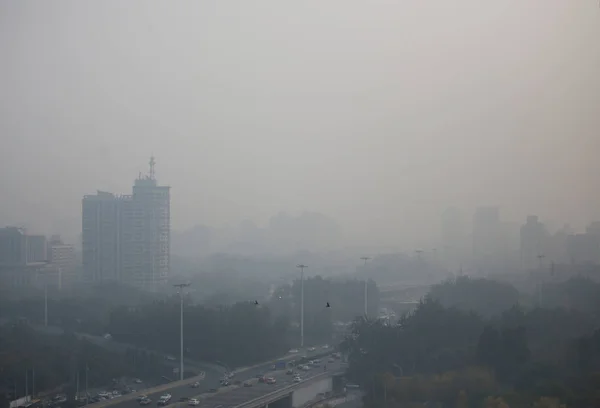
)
(193, 402)
(297, 379)
(293, 351)
(311, 349)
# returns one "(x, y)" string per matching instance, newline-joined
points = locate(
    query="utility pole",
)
(26, 383)
(181, 286)
(301, 266)
(86, 384)
(77, 385)
(366, 258)
(45, 304)
(33, 382)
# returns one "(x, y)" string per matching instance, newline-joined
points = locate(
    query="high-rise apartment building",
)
(127, 238)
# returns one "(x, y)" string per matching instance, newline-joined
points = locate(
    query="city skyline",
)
(357, 123)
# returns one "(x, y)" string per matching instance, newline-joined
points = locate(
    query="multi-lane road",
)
(237, 396)
(211, 380)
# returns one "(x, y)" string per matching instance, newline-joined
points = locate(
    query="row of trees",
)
(51, 362)
(237, 335)
(346, 298)
(458, 348)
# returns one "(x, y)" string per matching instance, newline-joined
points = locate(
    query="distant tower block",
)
(152, 164)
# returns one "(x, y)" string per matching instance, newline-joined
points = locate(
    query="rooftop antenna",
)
(152, 163)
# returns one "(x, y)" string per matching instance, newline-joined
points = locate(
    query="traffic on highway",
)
(241, 385)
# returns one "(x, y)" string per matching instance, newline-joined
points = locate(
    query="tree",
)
(486, 297)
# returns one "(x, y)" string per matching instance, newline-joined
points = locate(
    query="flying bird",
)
(256, 302)
(328, 305)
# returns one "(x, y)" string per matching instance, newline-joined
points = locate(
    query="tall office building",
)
(127, 238)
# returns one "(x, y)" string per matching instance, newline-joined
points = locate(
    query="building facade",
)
(24, 260)
(533, 237)
(127, 238)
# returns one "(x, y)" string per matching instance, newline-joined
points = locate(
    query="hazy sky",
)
(377, 113)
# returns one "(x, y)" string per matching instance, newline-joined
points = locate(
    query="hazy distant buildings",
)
(487, 235)
(37, 250)
(127, 238)
(23, 259)
(533, 241)
(585, 248)
(13, 247)
(61, 255)
(453, 237)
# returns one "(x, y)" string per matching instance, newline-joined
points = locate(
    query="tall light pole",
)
(46, 304)
(181, 286)
(366, 258)
(301, 266)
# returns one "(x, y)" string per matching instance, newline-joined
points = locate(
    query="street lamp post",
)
(181, 286)
(366, 258)
(301, 266)
(45, 305)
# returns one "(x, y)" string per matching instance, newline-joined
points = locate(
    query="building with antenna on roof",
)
(128, 238)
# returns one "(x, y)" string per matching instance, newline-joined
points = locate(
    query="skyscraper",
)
(127, 238)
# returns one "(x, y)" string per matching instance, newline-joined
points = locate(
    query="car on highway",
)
(305, 368)
(247, 384)
(270, 380)
(326, 346)
(195, 385)
(262, 379)
(297, 379)
(170, 358)
(137, 381)
(193, 402)
(259, 376)
(289, 372)
(142, 397)
(293, 351)
(146, 401)
(311, 349)
(164, 399)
